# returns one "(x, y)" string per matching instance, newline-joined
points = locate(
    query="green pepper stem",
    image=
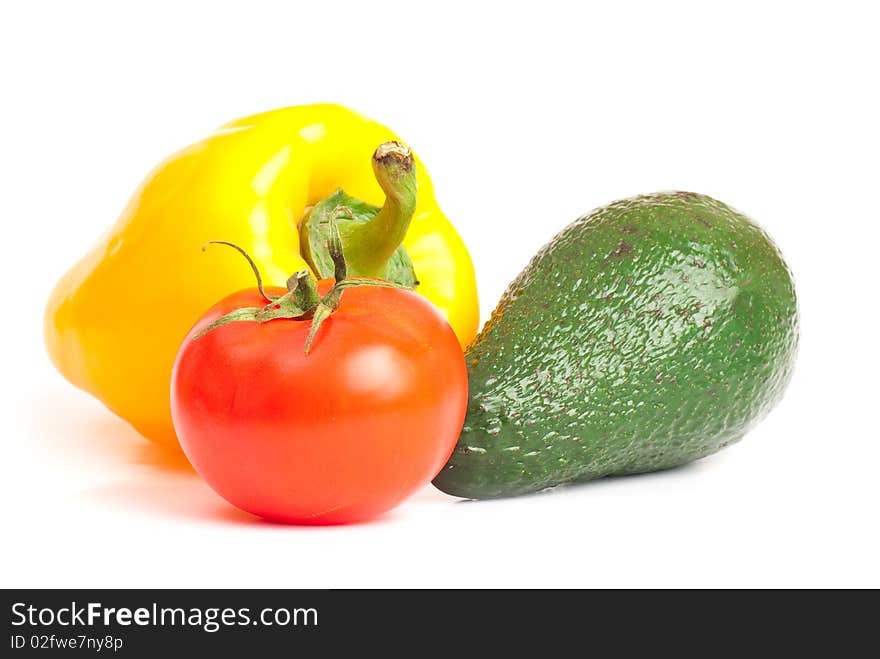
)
(371, 245)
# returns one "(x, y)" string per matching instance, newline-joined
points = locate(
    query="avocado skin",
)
(650, 333)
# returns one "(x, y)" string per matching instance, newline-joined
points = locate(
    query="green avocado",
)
(652, 332)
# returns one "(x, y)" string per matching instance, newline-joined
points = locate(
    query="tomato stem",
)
(302, 300)
(250, 261)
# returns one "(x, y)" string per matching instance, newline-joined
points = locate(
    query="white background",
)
(771, 107)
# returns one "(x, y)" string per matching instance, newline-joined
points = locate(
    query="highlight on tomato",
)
(327, 403)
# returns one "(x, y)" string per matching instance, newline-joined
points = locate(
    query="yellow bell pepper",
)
(114, 322)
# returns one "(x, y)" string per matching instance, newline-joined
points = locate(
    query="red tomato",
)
(339, 435)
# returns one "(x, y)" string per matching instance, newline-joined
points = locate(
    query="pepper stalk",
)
(371, 237)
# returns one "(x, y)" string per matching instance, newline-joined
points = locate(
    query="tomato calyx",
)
(302, 300)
